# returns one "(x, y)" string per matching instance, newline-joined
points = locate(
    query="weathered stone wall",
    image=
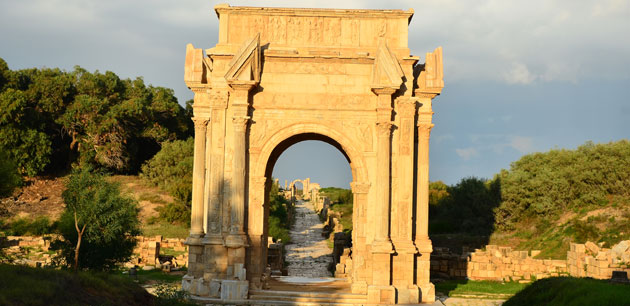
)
(33, 250)
(590, 260)
(504, 264)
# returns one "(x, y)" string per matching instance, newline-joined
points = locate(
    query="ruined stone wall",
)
(504, 264)
(33, 250)
(590, 260)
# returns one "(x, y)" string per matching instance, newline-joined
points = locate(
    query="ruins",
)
(278, 76)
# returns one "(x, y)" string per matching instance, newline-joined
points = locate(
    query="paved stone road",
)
(308, 255)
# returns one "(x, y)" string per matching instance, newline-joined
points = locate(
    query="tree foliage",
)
(9, 176)
(100, 218)
(50, 118)
(548, 184)
(279, 212)
(171, 170)
(464, 207)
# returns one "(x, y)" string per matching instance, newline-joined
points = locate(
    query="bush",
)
(98, 222)
(471, 201)
(9, 175)
(22, 285)
(171, 170)
(25, 227)
(279, 215)
(548, 184)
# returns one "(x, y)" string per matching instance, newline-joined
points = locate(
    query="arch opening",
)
(313, 233)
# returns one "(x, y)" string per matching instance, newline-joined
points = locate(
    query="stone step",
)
(346, 295)
(307, 297)
(304, 300)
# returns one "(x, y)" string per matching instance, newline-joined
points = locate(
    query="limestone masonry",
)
(278, 76)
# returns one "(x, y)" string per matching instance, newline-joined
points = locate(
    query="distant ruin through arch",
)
(278, 76)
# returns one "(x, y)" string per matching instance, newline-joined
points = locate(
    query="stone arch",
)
(345, 145)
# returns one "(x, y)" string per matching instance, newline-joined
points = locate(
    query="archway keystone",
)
(278, 76)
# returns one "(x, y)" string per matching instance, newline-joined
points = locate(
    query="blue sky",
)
(521, 76)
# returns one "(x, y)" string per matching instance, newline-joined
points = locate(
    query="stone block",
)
(234, 290)
(592, 248)
(621, 248)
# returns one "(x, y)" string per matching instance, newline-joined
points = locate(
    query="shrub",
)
(171, 170)
(9, 175)
(99, 225)
(548, 184)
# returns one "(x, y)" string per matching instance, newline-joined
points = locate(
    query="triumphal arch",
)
(278, 76)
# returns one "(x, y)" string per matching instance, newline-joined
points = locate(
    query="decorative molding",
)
(245, 65)
(386, 71)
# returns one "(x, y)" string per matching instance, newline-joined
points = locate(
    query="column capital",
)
(200, 122)
(240, 123)
(384, 128)
(406, 106)
(360, 187)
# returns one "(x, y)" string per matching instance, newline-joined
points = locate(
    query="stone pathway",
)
(308, 255)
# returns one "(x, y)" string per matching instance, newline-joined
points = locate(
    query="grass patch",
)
(480, 289)
(27, 226)
(571, 291)
(171, 252)
(20, 285)
(167, 230)
(151, 197)
(159, 276)
(344, 212)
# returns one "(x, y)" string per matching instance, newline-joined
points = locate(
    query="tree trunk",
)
(80, 235)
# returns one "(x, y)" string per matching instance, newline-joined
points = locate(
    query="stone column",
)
(359, 272)
(381, 289)
(196, 222)
(422, 241)
(403, 261)
(383, 155)
(236, 242)
(238, 176)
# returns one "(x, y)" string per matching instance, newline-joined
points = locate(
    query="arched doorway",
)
(358, 210)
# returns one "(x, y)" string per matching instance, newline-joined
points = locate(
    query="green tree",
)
(279, 221)
(551, 183)
(95, 119)
(99, 225)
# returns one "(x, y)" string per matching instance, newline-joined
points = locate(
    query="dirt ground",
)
(41, 196)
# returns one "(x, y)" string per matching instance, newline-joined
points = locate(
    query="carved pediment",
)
(245, 66)
(197, 66)
(386, 71)
(430, 78)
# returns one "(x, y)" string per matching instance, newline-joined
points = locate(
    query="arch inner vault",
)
(278, 76)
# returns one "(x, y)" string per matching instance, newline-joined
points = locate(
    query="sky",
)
(521, 76)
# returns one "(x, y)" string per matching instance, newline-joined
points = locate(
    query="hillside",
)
(41, 197)
(543, 202)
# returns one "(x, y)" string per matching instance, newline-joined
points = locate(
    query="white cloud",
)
(467, 153)
(519, 74)
(522, 144)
